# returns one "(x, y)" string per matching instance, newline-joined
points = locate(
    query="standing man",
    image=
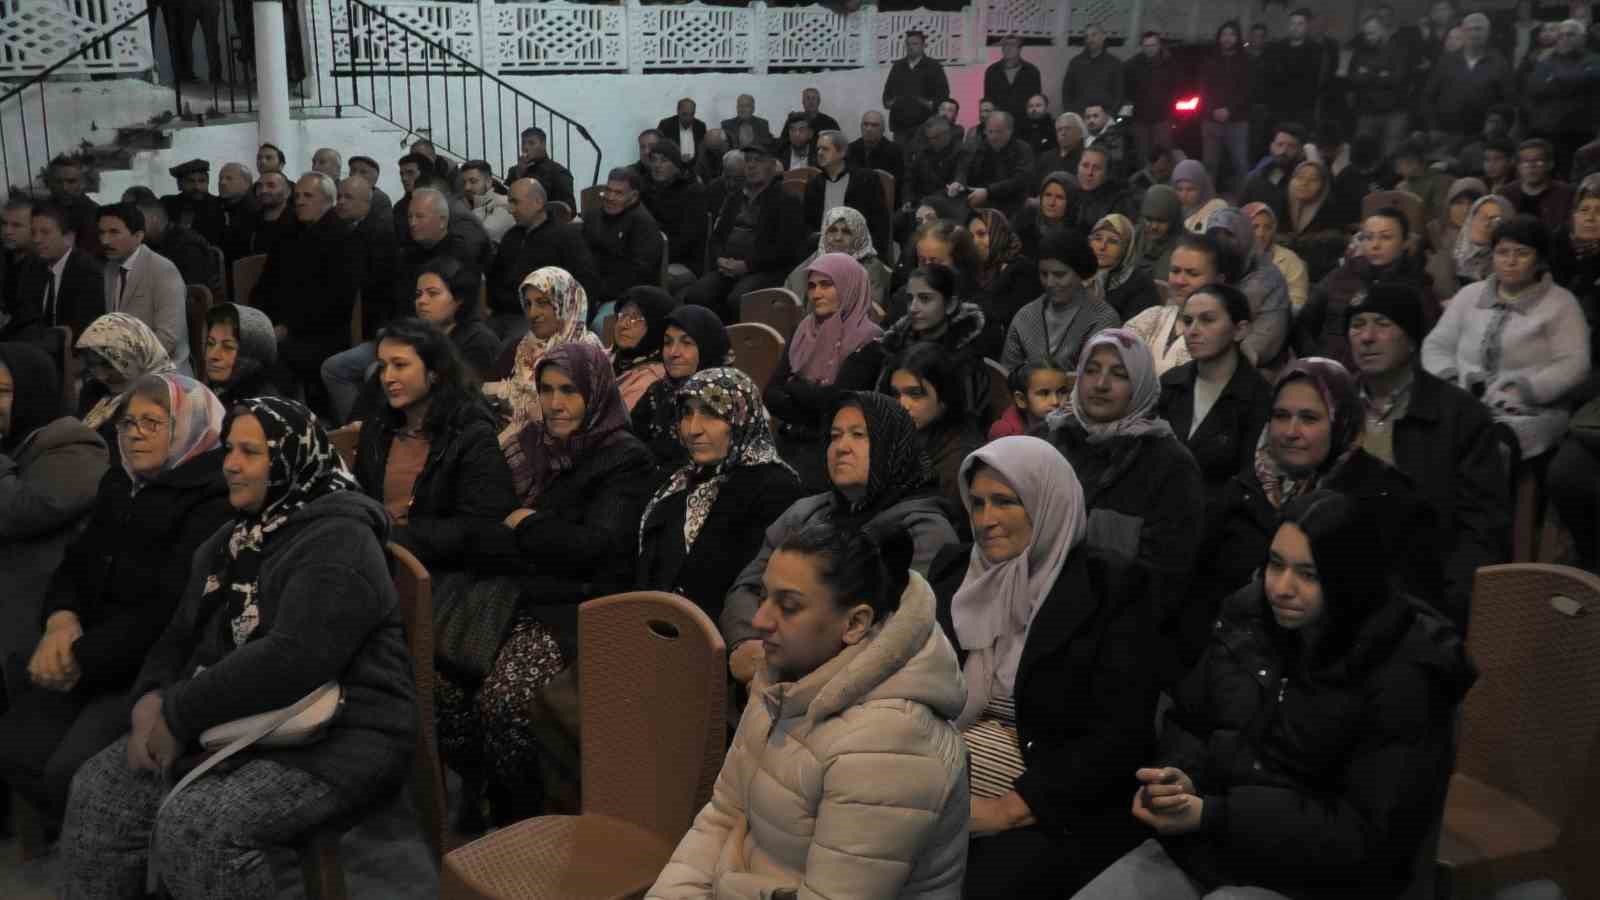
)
(1011, 80)
(1297, 70)
(533, 161)
(194, 206)
(1152, 85)
(143, 283)
(746, 127)
(1562, 92)
(1093, 75)
(913, 89)
(1378, 85)
(688, 132)
(1225, 87)
(1465, 83)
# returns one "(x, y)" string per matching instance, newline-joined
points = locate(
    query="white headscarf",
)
(1141, 417)
(997, 601)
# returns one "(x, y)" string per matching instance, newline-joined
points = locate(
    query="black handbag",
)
(472, 617)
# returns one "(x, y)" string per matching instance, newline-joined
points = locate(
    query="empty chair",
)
(999, 388)
(246, 273)
(777, 307)
(197, 301)
(886, 180)
(756, 350)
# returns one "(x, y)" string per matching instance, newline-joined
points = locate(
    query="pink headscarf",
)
(819, 348)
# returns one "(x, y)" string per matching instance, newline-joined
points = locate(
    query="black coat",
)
(1151, 86)
(582, 540)
(524, 250)
(864, 195)
(626, 249)
(1446, 443)
(1085, 698)
(1378, 77)
(751, 498)
(887, 156)
(310, 283)
(911, 95)
(669, 128)
(376, 231)
(780, 239)
(204, 214)
(1133, 296)
(191, 253)
(463, 490)
(1225, 443)
(1322, 783)
(552, 176)
(80, 297)
(239, 218)
(1014, 287)
(1011, 95)
(125, 573)
(1007, 174)
(679, 207)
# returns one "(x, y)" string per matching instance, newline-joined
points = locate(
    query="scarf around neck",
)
(1347, 419)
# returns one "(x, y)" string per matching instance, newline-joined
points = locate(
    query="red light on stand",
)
(1187, 105)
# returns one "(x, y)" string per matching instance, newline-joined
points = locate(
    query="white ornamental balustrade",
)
(37, 34)
(952, 37)
(366, 37)
(1110, 15)
(1028, 18)
(692, 36)
(555, 37)
(813, 37)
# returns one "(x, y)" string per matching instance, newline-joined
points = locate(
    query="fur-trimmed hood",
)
(963, 330)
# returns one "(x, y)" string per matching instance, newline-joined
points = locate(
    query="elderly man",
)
(933, 168)
(236, 192)
(811, 106)
(1000, 173)
(355, 208)
(624, 238)
(746, 127)
(488, 205)
(840, 185)
(194, 206)
(533, 161)
(708, 163)
(915, 86)
(328, 161)
(730, 182)
(874, 150)
(310, 284)
(683, 129)
(1562, 92)
(535, 241)
(1537, 191)
(759, 237)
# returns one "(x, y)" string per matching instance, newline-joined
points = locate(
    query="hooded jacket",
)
(331, 547)
(258, 351)
(849, 782)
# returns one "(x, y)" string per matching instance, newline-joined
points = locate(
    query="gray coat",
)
(921, 516)
(46, 489)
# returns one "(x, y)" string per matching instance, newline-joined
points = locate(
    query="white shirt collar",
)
(127, 264)
(60, 266)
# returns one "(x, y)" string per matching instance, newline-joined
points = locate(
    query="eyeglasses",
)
(629, 319)
(147, 426)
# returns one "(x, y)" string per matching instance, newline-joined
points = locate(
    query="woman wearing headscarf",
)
(1315, 226)
(255, 632)
(241, 350)
(582, 480)
(1196, 196)
(636, 348)
(694, 339)
(1141, 486)
(1473, 252)
(1006, 279)
(1389, 256)
(1057, 208)
(1125, 288)
(1312, 440)
(1444, 230)
(845, 231)
(706, 521)
(1289, 264)
(1160, 226)
(117, 586)
(879, 479)
(117, 350)
(803, 389)
(1060, 677)
(50, 469)
(1307, 755)
(1263, 285)
(557, 308)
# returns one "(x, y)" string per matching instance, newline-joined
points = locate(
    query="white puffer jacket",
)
(849, 783)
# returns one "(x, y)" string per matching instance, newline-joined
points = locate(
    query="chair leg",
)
(31, 837)
(320, 867)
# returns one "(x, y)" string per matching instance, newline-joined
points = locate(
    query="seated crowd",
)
(1093, 535)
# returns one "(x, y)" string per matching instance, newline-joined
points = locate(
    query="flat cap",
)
(189, 168)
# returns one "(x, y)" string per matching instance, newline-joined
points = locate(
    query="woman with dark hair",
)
(1312, 440)
(50, 468)
(1057, 323)
(939, 242)
(117, 586)
(1314, 225)
(1197, 261)
(1160, 226)
(1007, 278)
(291, 594)
(430, 454)
(582, 480)
(1057, 208)
(879, 480)
(854, 650)
(447, 298)
(1308, 753)
(1389, 255)
(1521, 366)
(1125, 288)
(636, 348)
(1217, 403)
(241, 350)
(694, 339)
(1060, 677)
(928, 384)
(706, 521)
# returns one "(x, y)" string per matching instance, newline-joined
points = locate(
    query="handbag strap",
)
(265, 727)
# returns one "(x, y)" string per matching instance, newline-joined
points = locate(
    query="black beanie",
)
(1399, 303)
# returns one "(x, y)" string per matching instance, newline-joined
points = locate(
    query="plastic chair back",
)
(777, 307)
(652, 671)
(345, 440)
(999, 389)
(589, 199)
(886, 181)
(666, 260)
(246, 273)
(756, 350)
(559, 211)
(415, 587)
(197, 302)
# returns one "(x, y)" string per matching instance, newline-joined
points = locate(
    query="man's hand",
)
(991, 815)
(53, 666)
(145, 715)
(1166, 801)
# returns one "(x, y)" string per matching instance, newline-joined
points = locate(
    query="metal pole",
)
(272, 77)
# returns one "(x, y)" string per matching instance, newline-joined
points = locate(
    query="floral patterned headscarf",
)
(131, 349)
(1004, 245)
(572, 310)
(860, 245)
(730, 395)
(197, 417)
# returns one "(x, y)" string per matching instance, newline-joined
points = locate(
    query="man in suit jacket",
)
(840, 185)
(747, 128)
(60, 285)
(357, 208)
(683, 129)
(143, 283)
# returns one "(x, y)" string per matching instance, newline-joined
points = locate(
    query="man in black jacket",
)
(746, 127)
(1000, 172)
(759, 238)
(184, 246)
(194, 206)
(1151, 84)
(840, 185)
(1465, 83)
(683, 129)
(1270, 183)
(374, 228)
(678, 203)
(624, 239)
(933, 168)
(1297, 70)
(913, 89)
(59, 284)
(237, 197)
(534, 242)
(1011, 80)
(1100, 193)
(310, 284)
(533, 161)
(874, 150)
(274, 220)
(1435, 432)
(1225, 92)
(800, 143)
(1093, 74)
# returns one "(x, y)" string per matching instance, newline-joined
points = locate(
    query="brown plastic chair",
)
(886, 181)
(999, 389)
(197, 301)
(777, 307)
(608, 331)
(794, 187)
(1522, 801)
(345, 440)
(59, 340)
(219, 264)
(559, 211)
(651, 680)
(246, 273)
(590, 199)
(756, 350)
(320, 867)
